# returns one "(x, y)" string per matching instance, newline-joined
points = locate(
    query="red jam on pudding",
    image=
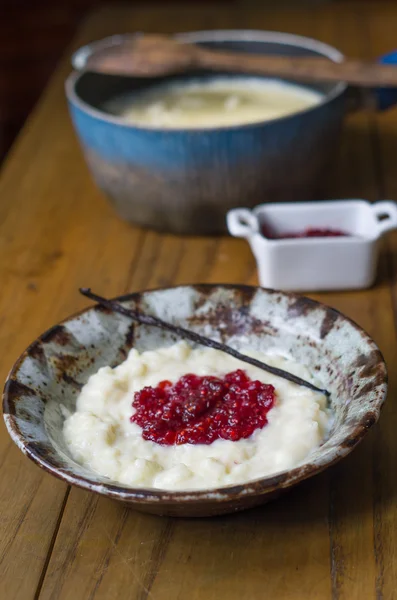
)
(196, 409)
(200, 410)
(309, 232)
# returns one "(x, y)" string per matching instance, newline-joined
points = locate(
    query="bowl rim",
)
(233, 35)
(256, 487)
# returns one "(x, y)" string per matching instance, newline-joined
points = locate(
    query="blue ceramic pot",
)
(184, 181)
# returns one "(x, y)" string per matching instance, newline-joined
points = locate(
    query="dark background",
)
(33, 36)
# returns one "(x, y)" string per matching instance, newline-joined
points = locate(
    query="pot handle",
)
(242, 223)
(385, 213)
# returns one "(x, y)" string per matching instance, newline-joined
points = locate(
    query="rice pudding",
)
(219, 101)
(103, 435)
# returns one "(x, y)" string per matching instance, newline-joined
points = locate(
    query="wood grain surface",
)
(333, 537)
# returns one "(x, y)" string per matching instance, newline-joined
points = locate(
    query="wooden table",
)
(334, 536)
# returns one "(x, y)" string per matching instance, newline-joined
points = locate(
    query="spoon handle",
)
(357, 72)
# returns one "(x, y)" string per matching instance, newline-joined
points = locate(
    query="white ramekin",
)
(315, 264)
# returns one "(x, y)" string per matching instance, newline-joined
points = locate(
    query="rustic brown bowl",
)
(51, 372)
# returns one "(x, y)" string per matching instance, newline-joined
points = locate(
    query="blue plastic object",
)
(387, 97)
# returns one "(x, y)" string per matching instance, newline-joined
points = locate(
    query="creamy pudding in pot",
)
(180, 418)
(217, 102)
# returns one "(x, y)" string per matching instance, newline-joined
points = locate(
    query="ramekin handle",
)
(386, 215)
(241, 222)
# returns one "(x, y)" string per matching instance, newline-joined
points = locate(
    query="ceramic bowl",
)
(51, 372)
(185, 180)
(316, 263)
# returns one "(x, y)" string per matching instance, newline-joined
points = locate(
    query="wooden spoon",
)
(155, 55)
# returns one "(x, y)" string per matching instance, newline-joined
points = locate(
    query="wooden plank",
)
(102, 550)
(49, 204)
(147, 573)
(51, 216)
(43, 283)
(381, 28)
(231, 557)
(351, 531)
(253, 539)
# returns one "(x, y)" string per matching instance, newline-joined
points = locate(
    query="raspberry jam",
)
(310, 232)
(200, 410)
